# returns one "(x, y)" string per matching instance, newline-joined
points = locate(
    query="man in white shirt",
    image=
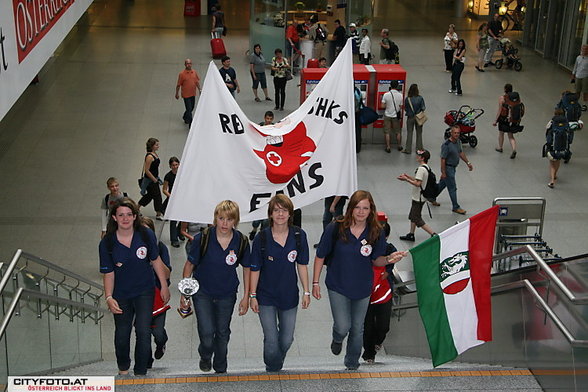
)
(580, 74)
(392, 102)
(419, 181)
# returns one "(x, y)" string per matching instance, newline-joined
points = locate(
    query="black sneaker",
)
(159, 351)
(408, 237)
(336, 347)
(205, 365)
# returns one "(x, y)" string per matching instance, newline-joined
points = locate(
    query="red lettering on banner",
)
(33, 19)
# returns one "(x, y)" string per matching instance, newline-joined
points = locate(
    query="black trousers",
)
(280, 92)
(153, 193)
(456, 76)
(448, 59)
(375, 327)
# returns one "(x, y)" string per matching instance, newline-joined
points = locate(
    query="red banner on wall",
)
(33, 19)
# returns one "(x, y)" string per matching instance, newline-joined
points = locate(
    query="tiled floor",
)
(111, 86)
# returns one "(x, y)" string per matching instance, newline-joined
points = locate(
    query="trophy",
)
(187, 287)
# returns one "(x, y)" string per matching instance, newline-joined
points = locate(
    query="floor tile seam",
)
(325, 376)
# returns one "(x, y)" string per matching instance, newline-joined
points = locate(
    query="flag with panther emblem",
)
(452, 274)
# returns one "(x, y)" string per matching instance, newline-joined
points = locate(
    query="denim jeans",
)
(189, 103)
(449, 182)
(492, 45)
(456, 76)
(213, 319)
(348, 318)
(327, 215)
(278, 335)
(137, 312)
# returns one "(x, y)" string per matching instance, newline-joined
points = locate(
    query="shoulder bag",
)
(420, 117)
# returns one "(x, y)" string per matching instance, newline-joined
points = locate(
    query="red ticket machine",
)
(309, 78)
(385, 73)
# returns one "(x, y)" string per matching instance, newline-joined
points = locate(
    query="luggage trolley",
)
(520, 223)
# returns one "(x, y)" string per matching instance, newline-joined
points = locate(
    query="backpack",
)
(106, 199)
(263, 241)
(570, 104)
(392, 51)
(329, 257)
(516, 108)
(320, 33)
(205, 236)
(431, 190)
(559, 138)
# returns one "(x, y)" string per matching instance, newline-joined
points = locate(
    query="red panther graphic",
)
(284, 160)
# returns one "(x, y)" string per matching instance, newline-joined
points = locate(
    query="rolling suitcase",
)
(218, 47)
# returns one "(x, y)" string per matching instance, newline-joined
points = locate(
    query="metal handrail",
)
(55, 300)
(9, 269)
(61, 270)
(543, 266)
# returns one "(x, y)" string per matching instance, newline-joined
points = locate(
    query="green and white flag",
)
(452, 273)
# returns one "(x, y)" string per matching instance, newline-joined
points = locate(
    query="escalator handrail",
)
(54, 300)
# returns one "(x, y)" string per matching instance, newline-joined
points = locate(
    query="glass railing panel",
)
(90, 338)
(64, 337)
(28, 340)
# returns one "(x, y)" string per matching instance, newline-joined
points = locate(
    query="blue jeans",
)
(213, 318)
(449, 182)
(348, 318)
(189, 103)
(137, 311)
(278, 335)
(327, 215)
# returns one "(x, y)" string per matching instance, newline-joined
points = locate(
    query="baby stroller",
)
(509, 56)
(465, 117)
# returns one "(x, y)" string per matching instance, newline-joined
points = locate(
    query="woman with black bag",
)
(280, 71)
(150, 181)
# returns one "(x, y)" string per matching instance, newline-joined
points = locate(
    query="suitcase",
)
(312, 63)
(218, 48)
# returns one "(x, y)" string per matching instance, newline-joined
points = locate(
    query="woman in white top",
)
(365, 46)
(449, 45)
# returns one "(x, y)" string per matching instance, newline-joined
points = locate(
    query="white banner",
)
(30, 31)
(309, 155)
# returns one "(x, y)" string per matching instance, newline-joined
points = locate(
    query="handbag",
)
(289, 74)
(224, 30)
(420, 117)
(367, 115)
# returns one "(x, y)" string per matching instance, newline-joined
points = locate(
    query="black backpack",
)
(205, 237)
(516, 108)
(559, 138)
(329, 257)
(571, 106)
(431, 189)
(106, 199)
(392, 51)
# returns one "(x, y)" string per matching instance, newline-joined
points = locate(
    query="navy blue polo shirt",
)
(350, 272)
(133, 273)
(216, 272)
(278, 285)
(450, 152)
